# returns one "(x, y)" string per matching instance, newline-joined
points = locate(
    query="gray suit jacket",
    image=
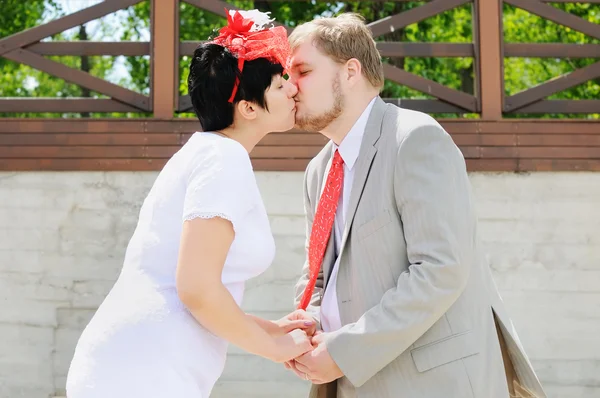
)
(416, 297)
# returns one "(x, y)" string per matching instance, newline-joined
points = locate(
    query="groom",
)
(395, 273)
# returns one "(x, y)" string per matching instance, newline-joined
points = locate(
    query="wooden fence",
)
(495, 141)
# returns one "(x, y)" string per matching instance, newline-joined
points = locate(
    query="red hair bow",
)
(248, 40)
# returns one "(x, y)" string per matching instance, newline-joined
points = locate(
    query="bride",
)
(164, 328)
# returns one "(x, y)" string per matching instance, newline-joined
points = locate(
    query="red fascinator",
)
(248, 36)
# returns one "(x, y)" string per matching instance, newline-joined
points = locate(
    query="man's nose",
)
(292, 89)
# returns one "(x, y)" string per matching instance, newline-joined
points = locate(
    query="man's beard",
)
(320, 122)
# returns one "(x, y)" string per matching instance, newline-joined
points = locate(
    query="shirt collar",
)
(350, 145)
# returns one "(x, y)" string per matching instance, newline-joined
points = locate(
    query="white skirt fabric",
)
(150, 347)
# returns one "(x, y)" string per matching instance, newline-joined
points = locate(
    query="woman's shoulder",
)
(215, 155)
(215, 147)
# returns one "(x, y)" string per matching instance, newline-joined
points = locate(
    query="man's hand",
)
(292, 364)
(317, 365)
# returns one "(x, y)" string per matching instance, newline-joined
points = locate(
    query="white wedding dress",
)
(142, 341)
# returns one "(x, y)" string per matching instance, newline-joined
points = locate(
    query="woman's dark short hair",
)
(213, 72)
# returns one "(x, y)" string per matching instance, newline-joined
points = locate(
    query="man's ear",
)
(353, 70)
(247, 109)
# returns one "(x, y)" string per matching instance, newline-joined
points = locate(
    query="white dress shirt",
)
(349, 149)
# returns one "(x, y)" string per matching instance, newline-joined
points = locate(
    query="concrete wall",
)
(63, 235)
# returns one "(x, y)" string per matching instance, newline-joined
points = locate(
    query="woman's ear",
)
(247, 109)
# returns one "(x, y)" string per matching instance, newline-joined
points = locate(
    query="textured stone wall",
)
(63, 236)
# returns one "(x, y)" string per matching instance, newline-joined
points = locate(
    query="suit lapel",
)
(363, 164)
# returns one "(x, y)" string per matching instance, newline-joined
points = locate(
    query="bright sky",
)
(114, 19)
(95, 34)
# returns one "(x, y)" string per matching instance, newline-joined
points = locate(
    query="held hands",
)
(292, 345)
(292, 335)
(316, 364)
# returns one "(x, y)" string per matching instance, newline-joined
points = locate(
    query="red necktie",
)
(323, 224)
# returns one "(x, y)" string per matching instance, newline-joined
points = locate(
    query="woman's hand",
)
(292, 345)
(298, 319)
(285, 326)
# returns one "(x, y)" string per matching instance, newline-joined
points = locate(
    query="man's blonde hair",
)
(342, 38)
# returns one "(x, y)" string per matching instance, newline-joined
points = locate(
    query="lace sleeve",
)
(206, 215)
(220, 184)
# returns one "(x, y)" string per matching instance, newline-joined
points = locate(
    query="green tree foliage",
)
(523, 73)
(18, 80)
(15, 16)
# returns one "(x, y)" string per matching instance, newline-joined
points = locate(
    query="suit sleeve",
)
(433, 197)
(314, 307)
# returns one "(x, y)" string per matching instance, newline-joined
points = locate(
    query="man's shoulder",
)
(401, 124)
(403, 121)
